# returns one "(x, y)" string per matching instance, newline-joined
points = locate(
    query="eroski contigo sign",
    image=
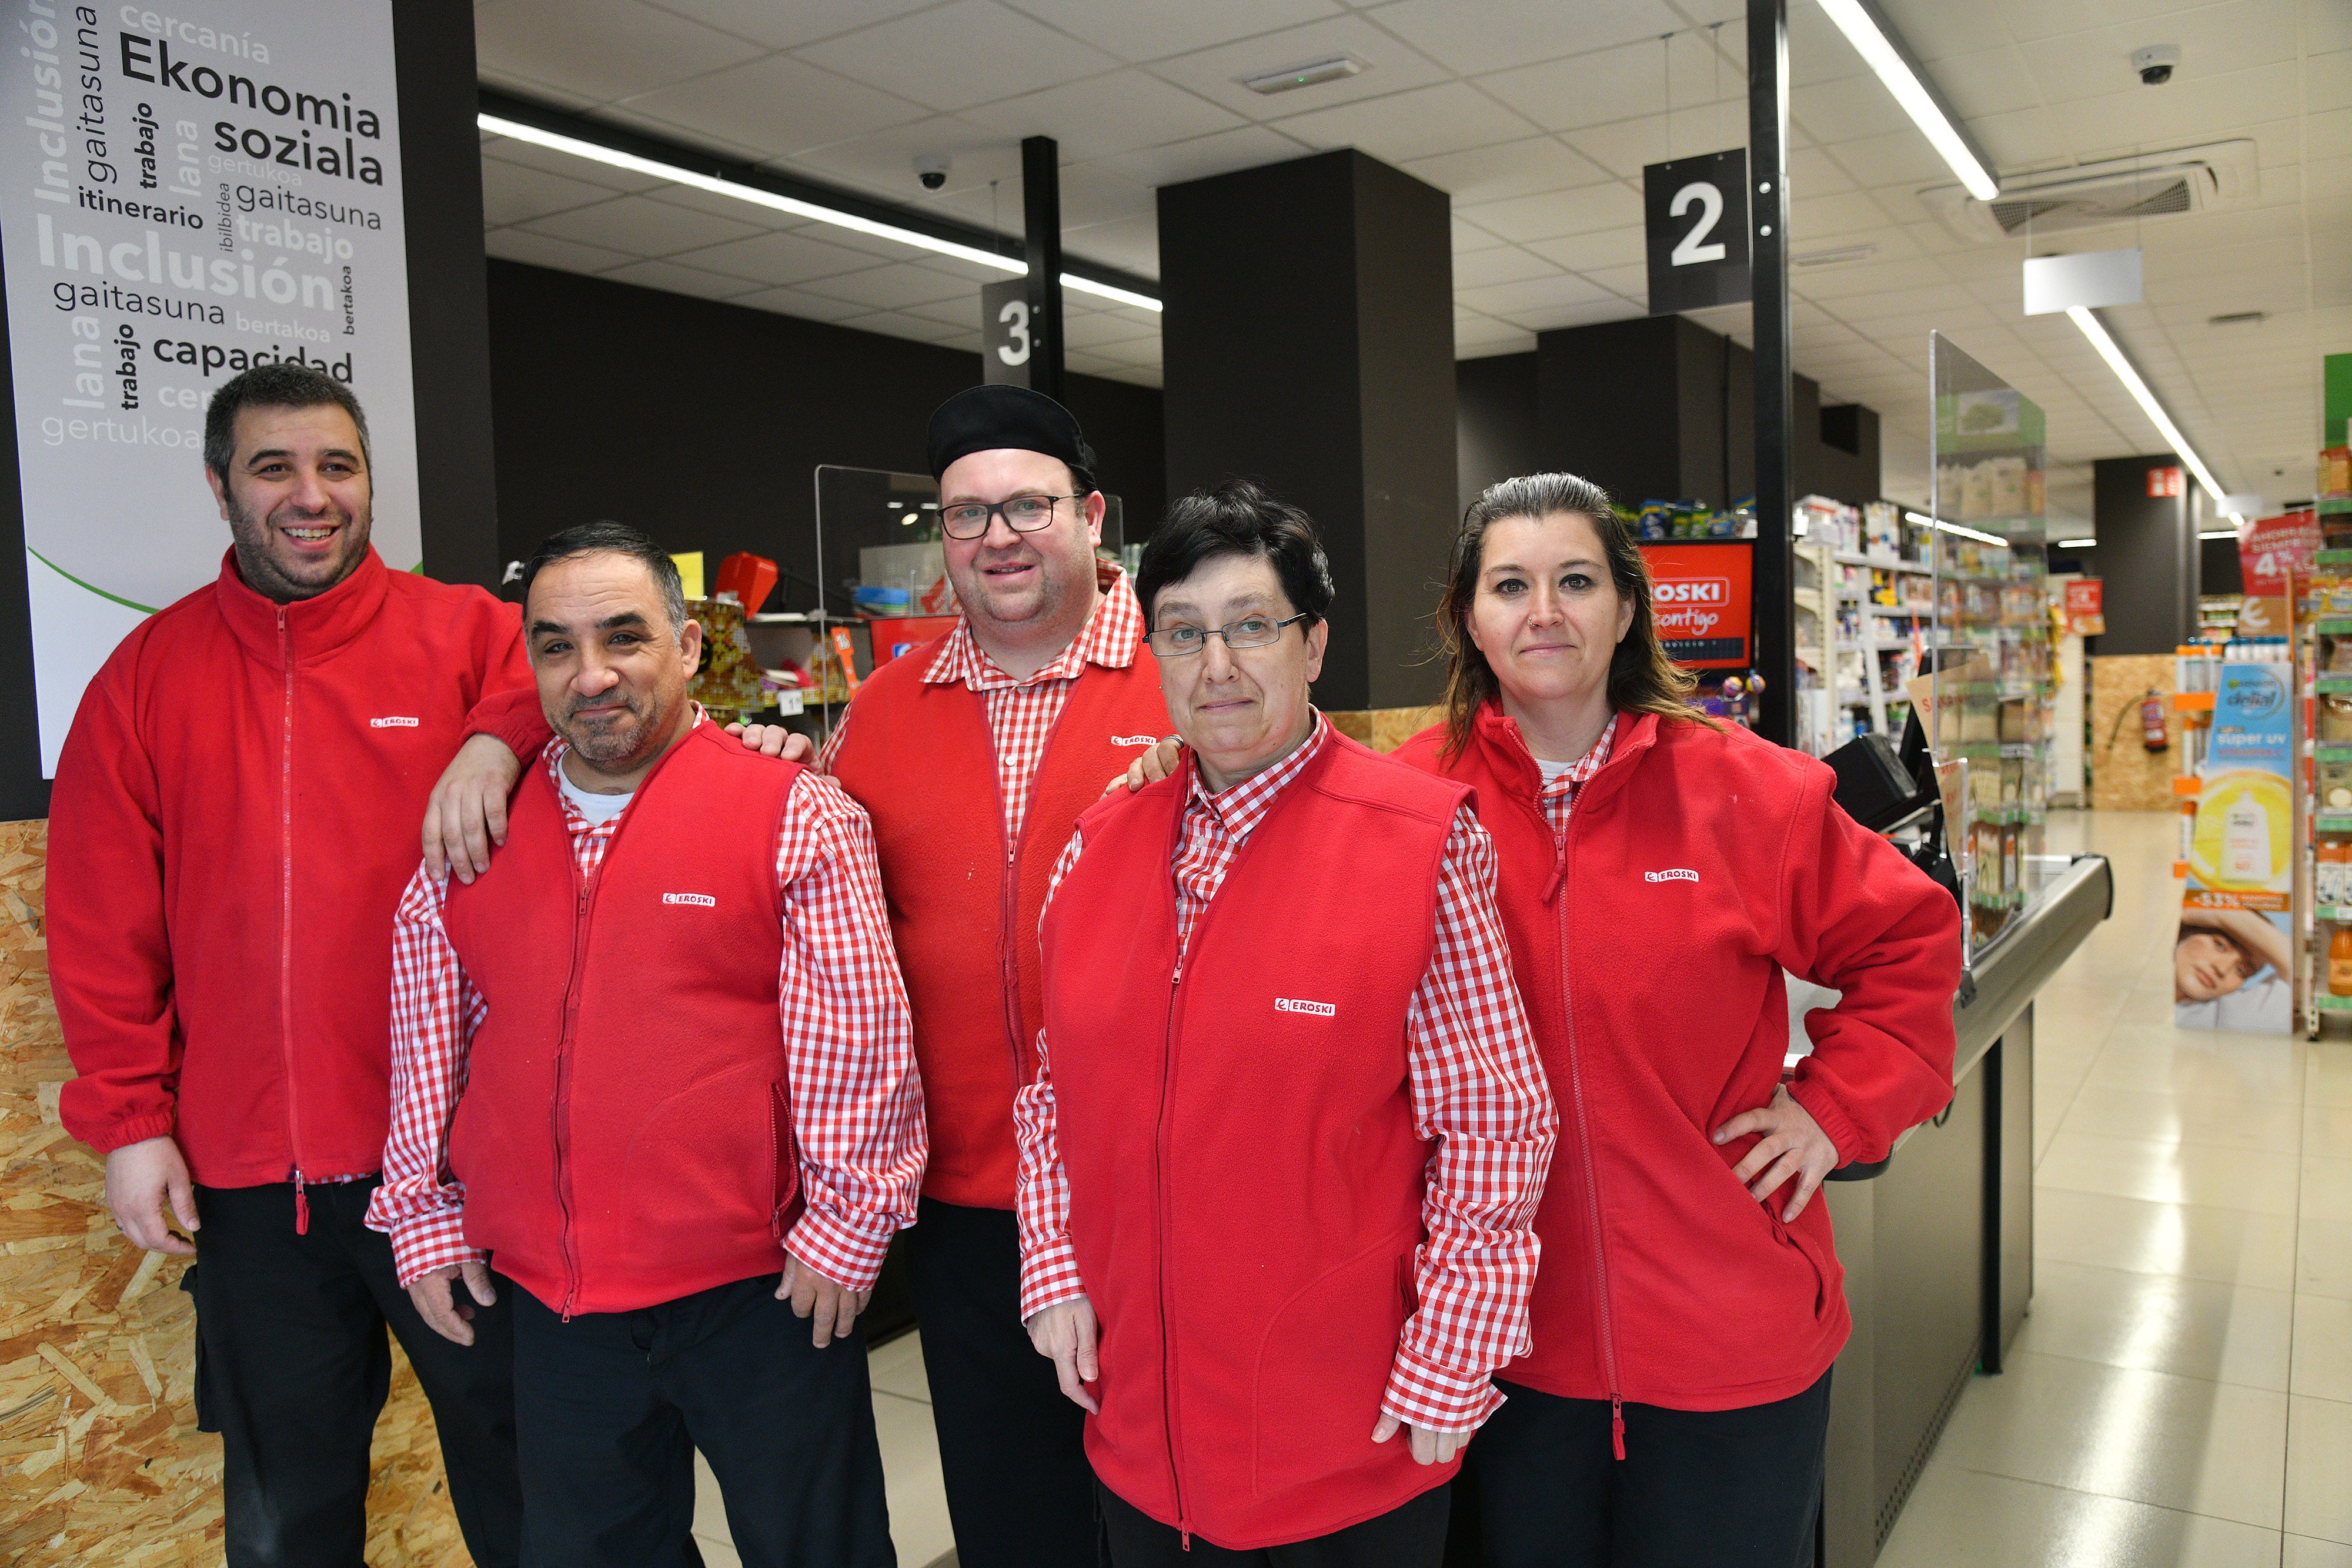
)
(185, 195)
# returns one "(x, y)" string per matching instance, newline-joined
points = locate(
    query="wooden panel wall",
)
(2127, 776)
(100, 1460)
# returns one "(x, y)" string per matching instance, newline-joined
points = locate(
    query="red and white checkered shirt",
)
(1021, 713)
(858, 1105)
(1558, 795)
(1478, 1088)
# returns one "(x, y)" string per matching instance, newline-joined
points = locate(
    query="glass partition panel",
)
(1991, 685)
(882, 570)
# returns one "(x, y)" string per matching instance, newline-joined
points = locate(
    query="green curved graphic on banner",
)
(78, 582)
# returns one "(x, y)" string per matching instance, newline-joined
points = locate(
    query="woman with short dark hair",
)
(1658, 870)
(1287, 1128)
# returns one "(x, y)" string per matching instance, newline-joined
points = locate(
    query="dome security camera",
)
(931, 169)
(2155, 63)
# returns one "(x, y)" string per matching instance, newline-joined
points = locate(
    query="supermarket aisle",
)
(2182, 1392)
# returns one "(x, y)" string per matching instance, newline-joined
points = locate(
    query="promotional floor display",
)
(183, 197)
(2232, 956)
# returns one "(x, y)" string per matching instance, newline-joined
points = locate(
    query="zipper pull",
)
(301, 1207)
(1617, 1426)
(1187, 1536)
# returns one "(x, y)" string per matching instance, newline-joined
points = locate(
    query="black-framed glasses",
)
(1023, 515)
(1250, 632)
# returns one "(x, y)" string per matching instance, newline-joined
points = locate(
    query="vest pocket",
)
(785, 1160)
(1323, 1364)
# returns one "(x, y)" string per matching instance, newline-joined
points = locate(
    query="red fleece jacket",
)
(234, 815)
(1649, 948)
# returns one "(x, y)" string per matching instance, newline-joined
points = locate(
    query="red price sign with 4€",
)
(2271, 551)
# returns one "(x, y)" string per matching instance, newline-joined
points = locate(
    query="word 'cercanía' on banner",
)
(183, 196)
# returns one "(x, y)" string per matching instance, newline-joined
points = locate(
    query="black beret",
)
(984, 418)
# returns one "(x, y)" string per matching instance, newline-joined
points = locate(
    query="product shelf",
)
(2328, 1004)
(2333, 684)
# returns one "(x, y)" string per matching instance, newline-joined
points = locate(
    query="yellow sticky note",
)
(690, 572)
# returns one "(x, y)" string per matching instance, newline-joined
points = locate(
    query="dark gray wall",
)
(703, 423)
(1309, 341)
(2147, 556)
(1496, 434)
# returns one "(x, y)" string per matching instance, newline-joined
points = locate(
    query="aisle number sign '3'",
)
(1696, 212)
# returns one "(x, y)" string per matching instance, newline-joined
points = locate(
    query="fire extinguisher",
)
(2152, 732)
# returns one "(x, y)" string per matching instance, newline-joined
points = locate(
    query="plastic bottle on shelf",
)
(2339, 962)
(2331, 871)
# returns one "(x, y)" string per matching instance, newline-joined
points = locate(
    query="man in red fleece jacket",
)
(231, 823)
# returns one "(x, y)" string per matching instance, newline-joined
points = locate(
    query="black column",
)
(448, 291)
(2147, 555)
(1309, 341)
(1041, 211)
(1768, 245)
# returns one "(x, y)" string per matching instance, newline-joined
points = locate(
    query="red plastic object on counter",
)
(750, 578)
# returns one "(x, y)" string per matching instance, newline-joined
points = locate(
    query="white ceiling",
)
(1537, 117)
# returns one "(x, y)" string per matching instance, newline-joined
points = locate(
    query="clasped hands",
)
(1065, 1334)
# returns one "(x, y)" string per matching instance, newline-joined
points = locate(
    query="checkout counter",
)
(1937, 1241)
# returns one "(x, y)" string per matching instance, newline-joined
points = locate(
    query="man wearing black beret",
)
(1019, 715)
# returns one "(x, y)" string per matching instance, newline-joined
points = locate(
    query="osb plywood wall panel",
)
(1385, 728)
(2127, 776)
(100, 1461)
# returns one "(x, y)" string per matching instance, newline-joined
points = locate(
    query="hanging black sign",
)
(1697, 217)
(1008, 334)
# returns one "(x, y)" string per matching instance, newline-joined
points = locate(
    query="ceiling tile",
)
(1559, 316)
(1842, 110)
(1899, 157)
(1423, 123)
(799, 302)
(777, 105)
(1178, 162)
(1511, 301)
(800, 22)
(1508, 264)
(1523, 168)
(1618, 84)
(669, 277)
(898, 324)
(1557, 213)
(1628, 146)
(1131, 244)
(1214, 73)
(968, 52)
(642, 226)
(512, 193)
(1602, 248)
(1468, 236)
(781, 258)
(1100, 116)
(599, 50)
(1474, 35)
(546, 250)
(894, 287)
(1153, 29)
(1815, 218)
(531, 156)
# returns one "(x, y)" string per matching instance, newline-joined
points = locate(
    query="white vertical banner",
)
(184, 195)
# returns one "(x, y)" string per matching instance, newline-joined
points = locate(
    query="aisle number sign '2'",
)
(1696, 210)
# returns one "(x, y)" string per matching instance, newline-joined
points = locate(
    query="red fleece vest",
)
(625, 1135)
(1245, 1180)
(920, 757)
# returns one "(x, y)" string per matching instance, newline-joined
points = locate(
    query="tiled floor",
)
(2182, 1391)
(910, 1468)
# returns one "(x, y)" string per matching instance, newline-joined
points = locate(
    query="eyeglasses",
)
(1252, 631)
(1023, 515)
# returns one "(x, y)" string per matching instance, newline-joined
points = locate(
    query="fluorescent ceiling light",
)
(1861, 25)
(1924, 518)
(1333, 69)
(613, 157)
(2217, 533)
(2076, 544)
(2096, 331)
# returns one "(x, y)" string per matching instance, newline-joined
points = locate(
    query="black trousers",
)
(1697, 1488)
(611, 1406)
(1019, 1492)
(292, 1368)
(1411, 1535)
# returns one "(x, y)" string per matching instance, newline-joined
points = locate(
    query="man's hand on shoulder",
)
(467, 812)
(1150, 768)
(775, 740)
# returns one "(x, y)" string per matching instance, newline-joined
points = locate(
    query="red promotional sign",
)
(2163, 482)
(2086, 607)
(2272, 550)
(1700, 602)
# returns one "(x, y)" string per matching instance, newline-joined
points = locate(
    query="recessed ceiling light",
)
(1332, 69)
(2238, 318)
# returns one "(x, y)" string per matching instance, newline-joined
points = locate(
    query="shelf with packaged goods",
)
(1919, 609)
(2332, 558)
(2332, 625)
(2323, 684)
(2332, 751)
(1882, 562)
(2333, 506)
(2339, 913)
(2329, 821)
(1879, 645)
(2330, 1004)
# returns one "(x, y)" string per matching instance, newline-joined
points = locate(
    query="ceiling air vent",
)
(2094, 195)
